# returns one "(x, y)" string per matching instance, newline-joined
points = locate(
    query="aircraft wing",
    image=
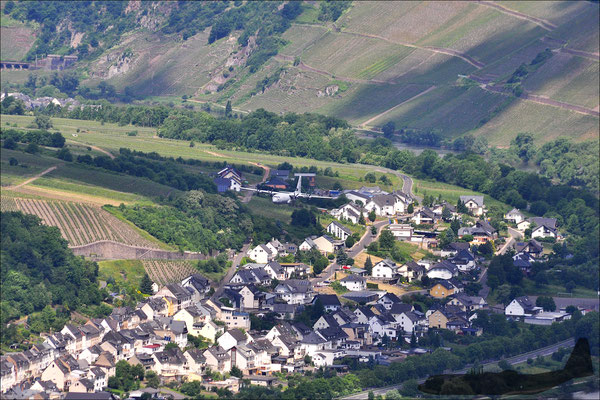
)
(258, 190)
(314, 196)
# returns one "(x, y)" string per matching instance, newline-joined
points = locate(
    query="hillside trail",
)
(366, 123)
(534, 98)
(305, 67)
(441, 50)
(248, 195)
(33, 178)
(101, 150)
(547, 25)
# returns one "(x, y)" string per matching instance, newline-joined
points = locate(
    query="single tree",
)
(235, 371)
(410, 209)
(146, 285)
(372, 216)
(369, 266)
(228, 108)
(388, 129)
(43, 122)
(350, 241)
(361, 219)
(387, 239)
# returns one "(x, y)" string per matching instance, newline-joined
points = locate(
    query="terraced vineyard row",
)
(81, 223)
(8, 204)
(167, 271)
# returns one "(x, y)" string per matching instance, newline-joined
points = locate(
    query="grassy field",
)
(452, 193)
(72, 181)
(122, 271)
(264, 206)
(104, 136)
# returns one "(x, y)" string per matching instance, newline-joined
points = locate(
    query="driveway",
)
(231, 271)
(364, 241)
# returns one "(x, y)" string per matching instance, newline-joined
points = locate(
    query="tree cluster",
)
(38, 269)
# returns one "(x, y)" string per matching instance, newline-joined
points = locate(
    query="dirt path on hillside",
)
(442, 50)
(212, 153)
(33, 178)
(364, 124)
(248, 195)
(534, 98)
(580, 53)
(112, 157)
(67, 196)
(547, 25)
(305, 67)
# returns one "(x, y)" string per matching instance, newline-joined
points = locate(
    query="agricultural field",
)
(79, 223)
(452, 193)
(168, 271)
(16, 39)
(113, 140)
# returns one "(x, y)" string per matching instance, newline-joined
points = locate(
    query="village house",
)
(232, 338)
(467, 303)
(532, 248)
(385, 269)
(217, 359)
(403, 232)
(515, 216)
(176, 296)
(350, 212)
(443, 270)
(464, 261)
(262, 254)
(424, 217)
(295, 291)
(474, 204)
(411, 271)
(338, 230)
(521, 307)
(354, 283)
(444, 288)
(330, 302)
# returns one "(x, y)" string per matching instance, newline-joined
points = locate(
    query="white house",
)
(443, 270)
(350, 212)
(262, 254)
(402, 231)
(514, 215)
(338, 230)
(474, 204)
(388, 204)
(385, 269)
(408, 321)
(354, 283)
(232, 338)
(521, 307)
(543, 231)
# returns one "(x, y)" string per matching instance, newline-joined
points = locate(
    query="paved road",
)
(234, 264)
(407, 182)
(366, 240)
(544, 351)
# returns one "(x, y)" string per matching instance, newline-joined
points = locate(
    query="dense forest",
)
(38, 269)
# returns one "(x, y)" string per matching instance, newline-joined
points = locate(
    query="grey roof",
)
(313, 338)
(459, 246)
(237, 334)
(383, 200)
(333, 333)
(179, 291)
(353, 278)
(447, 265)
(477, 199)
(547, 222)
(342, 227)
(328, 299)
(392, 297)
(367, 312)
(399, 308)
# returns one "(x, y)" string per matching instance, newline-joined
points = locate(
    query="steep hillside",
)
(492, 69)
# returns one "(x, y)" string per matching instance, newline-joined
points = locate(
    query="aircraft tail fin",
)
(580, 361)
